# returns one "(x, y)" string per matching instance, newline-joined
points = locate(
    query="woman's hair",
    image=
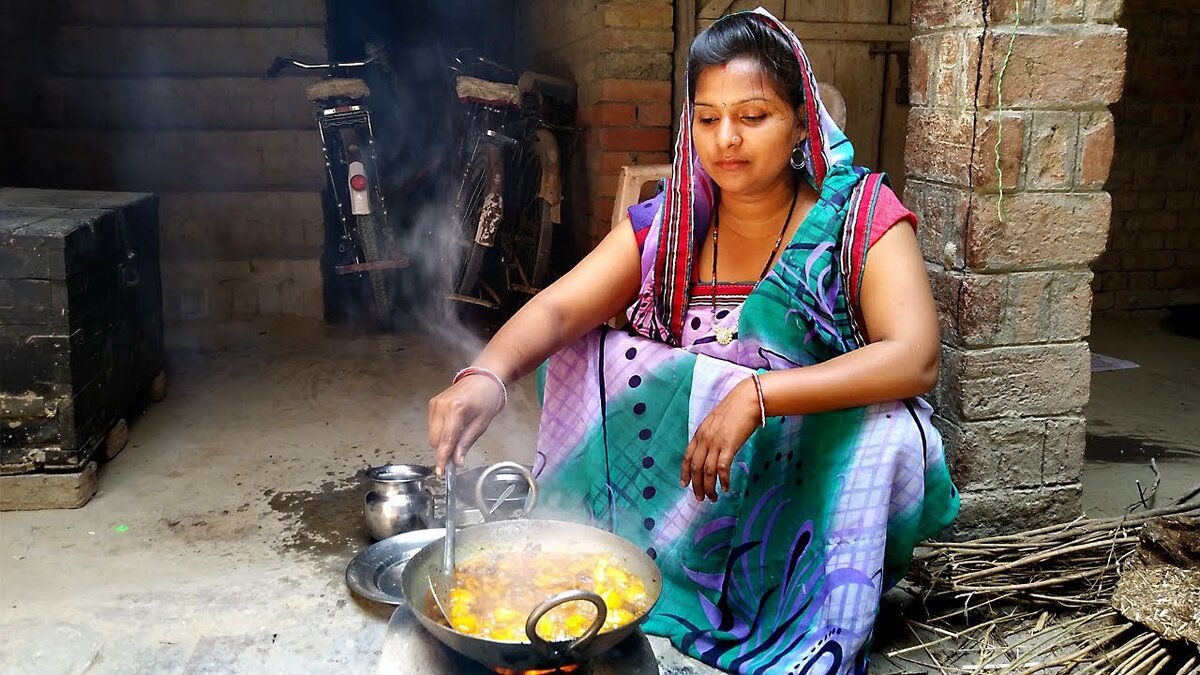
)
(744, 35)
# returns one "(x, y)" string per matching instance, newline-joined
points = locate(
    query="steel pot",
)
(398, 501)
(515, 537)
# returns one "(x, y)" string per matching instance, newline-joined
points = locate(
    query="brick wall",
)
(25, 30)
(1153, 256)
(620, 55)
(169, 98)
(1011, 273)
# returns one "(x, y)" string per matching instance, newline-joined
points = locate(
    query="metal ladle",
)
(445, 582)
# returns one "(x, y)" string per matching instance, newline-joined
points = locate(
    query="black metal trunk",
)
(81, 333)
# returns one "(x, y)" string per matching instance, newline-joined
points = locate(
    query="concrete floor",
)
(1149, 412)
(219, 537)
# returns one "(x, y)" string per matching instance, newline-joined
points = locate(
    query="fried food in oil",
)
(493, 596)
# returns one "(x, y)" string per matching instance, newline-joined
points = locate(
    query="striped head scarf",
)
(690, 195)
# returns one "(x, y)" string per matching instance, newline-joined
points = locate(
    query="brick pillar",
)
(1013, 285)
(620, 55)
(626, 108)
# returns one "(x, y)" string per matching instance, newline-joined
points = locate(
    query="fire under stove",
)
(408, 648)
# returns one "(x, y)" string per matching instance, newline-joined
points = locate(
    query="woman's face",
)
(743, 128)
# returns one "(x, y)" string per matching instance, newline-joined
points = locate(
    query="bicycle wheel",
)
(370, 237)
(479, 207)
(533, 232)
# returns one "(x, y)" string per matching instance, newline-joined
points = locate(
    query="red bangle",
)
(476, 370)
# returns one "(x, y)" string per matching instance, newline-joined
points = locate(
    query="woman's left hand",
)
(717, 440)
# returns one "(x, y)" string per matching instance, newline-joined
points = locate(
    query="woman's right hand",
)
(459, 415)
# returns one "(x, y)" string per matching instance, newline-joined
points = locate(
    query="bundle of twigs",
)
(1039, 601)
(1071, 565)
(1026, 643)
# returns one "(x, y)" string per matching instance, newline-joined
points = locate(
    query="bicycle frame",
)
(344, 131)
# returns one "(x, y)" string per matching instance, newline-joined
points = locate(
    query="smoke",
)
(435, 251)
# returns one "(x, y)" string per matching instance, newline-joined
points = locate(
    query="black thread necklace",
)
(725, 334)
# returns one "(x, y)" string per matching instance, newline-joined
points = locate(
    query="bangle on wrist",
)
(762, 404)
(476, 370)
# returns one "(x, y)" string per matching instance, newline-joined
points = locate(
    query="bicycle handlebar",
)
(466, 57)
(280, 64)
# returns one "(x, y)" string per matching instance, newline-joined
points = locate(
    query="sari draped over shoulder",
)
(784, 572)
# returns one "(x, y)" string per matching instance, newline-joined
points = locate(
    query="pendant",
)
(724, 335)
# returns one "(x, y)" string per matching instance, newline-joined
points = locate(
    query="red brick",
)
(635, 139)
(941, 214)
(1148, 260)
(954, 80)
(613, 161)
(1065, 10)
(638, 40)
(1112, 281)
(1011, 453)
(1085, 65)
(639, 16)
(918, 69)
(1039, 231)
(1152, 201)
(1103, 11)
(613, 115)
(1140, 281)
(1052, 150)
(630, 65)
(653, 158)
(1010, 129)
(945, 13)
(654, 114)
(939, 145)
(1180, 201)
(1151, 241)
(1169, 279)
(1096, 134)
(1020, 308)
(1016, 381)
(636, 91)
(603, 207)
(1141, 299)
(936, 14)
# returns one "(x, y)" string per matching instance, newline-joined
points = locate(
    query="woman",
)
(756, 430)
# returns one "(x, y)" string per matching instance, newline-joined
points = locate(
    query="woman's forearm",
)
(526, 340)
(881, 371)
(602, 284)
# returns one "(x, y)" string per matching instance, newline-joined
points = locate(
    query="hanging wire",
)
(1000, 110)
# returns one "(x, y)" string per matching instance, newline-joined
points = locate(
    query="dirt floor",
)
(218, 540)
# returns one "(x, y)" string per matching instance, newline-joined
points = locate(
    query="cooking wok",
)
(514, 537)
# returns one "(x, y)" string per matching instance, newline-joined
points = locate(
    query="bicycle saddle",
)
(338, 87)
(485, 91)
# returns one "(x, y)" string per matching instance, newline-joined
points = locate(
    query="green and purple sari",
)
(784, 572)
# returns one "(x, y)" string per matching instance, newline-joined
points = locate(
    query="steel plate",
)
(375, 572)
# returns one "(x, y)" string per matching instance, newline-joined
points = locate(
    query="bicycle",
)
(509, 187)
(353, 175)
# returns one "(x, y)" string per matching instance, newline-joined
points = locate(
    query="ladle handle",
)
(448, 545)
(530, 499)
(579, 644)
